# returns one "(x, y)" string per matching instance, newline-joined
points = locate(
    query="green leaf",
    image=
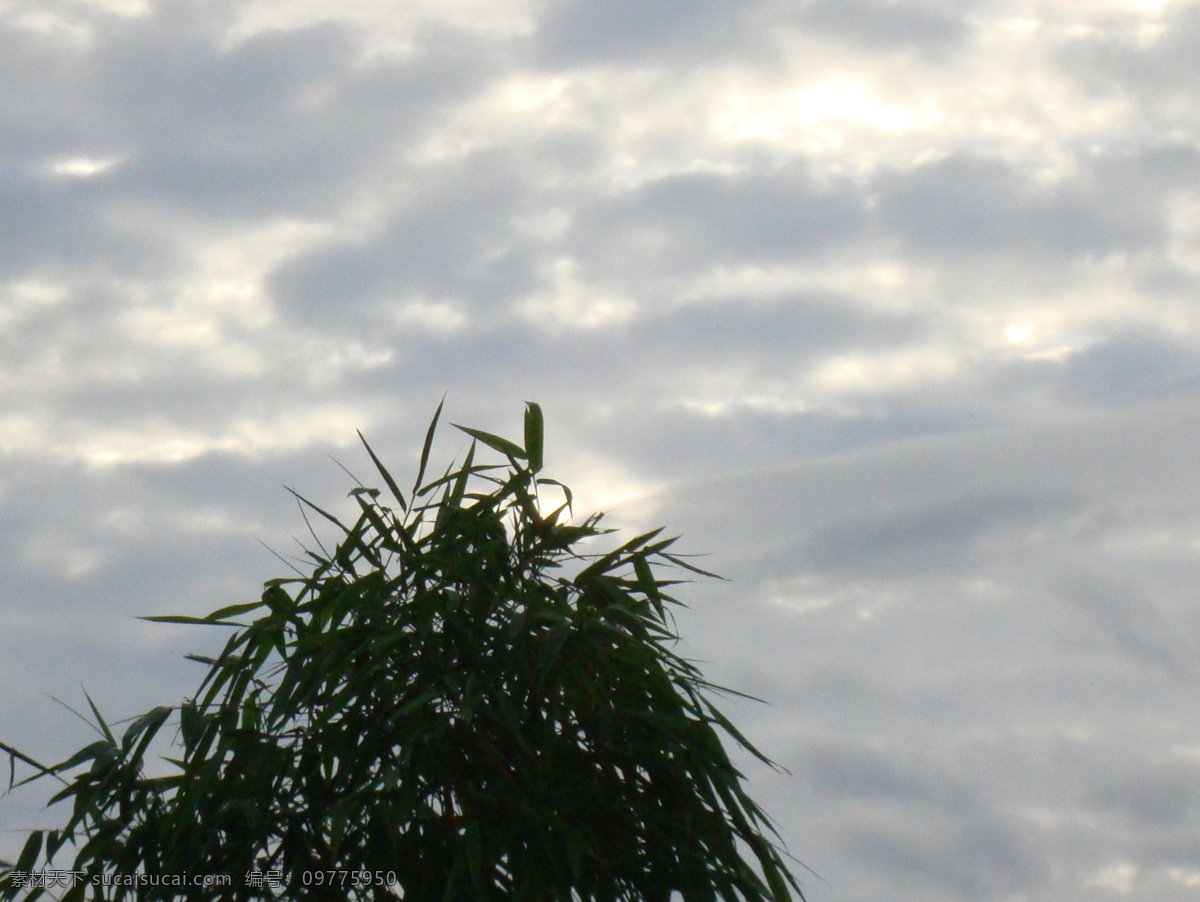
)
(29, 854)
(779, 889)
(191, 725)
(216, 618)
(324, 513)
(148, 723)
(495, 442)
(387, 477)
(474, 857)
(453, 499)
(15, 755)
(534, 435)
(679, 562)
(638, 541)
(183, 618)
(383, 532)
(741, 740)
(565, 490)
(112, 741)
(646, 581)
(279, 602)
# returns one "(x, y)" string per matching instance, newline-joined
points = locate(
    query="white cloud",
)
(388, 28)
(567, 302)
(1116, 878)
(83, 167)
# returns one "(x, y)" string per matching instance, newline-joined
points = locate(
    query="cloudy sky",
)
(889, 306)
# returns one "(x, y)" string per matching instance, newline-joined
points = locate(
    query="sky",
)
(887, 307)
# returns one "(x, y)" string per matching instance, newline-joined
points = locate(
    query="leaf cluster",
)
(456, 694)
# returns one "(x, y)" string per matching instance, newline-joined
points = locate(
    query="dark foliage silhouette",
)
(458, 702)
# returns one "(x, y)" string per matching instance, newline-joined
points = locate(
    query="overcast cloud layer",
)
(891, 306)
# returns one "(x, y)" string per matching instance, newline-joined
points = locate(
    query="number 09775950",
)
(347, 877)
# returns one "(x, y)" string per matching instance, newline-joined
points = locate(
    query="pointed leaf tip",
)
(425, 448)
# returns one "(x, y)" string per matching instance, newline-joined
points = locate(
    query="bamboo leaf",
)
(496, 443)
(147, 723)
(679, 562)
(733, 731)
(218, 617)
(534, 436)
(387, 477)
(425, 448)
(29, 854)
(112, 741)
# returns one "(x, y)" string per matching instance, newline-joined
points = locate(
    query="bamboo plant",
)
(457, 702)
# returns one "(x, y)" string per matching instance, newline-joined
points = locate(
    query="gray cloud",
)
(1116, 57)
(930, 28)
(572, 32)
(697, 220)
(283, 122)
(1135, 365)
(453, 239)
(956, 741)
(278, 122)
(927, 536)
(984, 207)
